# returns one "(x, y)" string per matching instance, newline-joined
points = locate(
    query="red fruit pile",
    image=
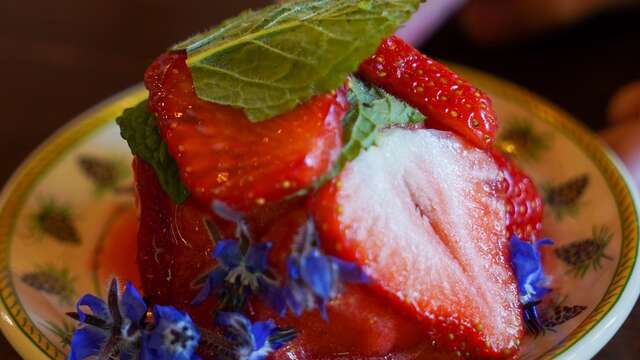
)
(423, 212)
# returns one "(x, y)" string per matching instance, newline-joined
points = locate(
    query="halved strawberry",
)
(524, 206)
(430, 232)
(449, 101)
(222, 155)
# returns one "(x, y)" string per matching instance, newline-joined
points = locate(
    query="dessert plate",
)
(67, 224)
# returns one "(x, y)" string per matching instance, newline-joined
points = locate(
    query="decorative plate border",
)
(13, 197)
(29, 174)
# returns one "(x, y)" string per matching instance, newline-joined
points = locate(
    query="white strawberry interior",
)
(420, 214)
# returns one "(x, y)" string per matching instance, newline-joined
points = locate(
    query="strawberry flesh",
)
(449, 101)
(430, 232)
(222, 155)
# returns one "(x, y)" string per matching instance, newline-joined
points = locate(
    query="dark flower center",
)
(180, 337)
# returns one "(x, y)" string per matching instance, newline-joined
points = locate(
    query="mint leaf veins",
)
(138, 128)
(268, 61)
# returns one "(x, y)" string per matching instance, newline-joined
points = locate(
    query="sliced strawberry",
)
(524, 207)
(430, 232)
(448, 101)
(361, 324)
(222, 155)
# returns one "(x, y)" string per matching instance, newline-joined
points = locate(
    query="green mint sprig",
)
(268, 61)
(138, 128)
(372, 110)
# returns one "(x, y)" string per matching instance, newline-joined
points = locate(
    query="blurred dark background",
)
(57, 58)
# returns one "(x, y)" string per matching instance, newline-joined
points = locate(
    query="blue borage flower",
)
(174, 336)
(252, 341)
(238, 275)
(119, 329)
(110, 330)
(241, 270)
(526, 261)
(315, 278)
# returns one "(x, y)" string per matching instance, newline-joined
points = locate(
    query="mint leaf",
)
(138, 128)
(372, 109)
(268, 61)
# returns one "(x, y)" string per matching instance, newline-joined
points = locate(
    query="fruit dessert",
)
(310, 186)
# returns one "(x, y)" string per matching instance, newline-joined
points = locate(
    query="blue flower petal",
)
(350, 272)
(96, 305)
(295, 297)
(314, 278)
(261, 331)
(322, 306)
(274, 295)
(293, 268)
(86, 341)
(228, 253)
(224, 211)
(132, 305)
(256, 257)
(526, 261)
(253, 341)
(316, 273)
(215, 279)
(168, 314)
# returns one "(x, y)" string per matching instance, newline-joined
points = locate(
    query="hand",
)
(495, 21)
(624, 134)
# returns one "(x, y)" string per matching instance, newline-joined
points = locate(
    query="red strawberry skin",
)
(222, 155)
(524, 206)
(173, 245)
(448, 101)
(454, 275)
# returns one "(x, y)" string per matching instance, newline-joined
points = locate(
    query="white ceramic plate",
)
(59, 210)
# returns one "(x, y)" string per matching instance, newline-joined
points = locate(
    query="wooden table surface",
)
(58, 58)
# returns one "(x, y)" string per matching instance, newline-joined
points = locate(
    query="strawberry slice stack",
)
(426, 213)
(222, 155)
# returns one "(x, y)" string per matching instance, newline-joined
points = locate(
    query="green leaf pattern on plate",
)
(52, 280)
(520, 139)
(585, 254)
(55, 219)
(566, 198)
(107, 174)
